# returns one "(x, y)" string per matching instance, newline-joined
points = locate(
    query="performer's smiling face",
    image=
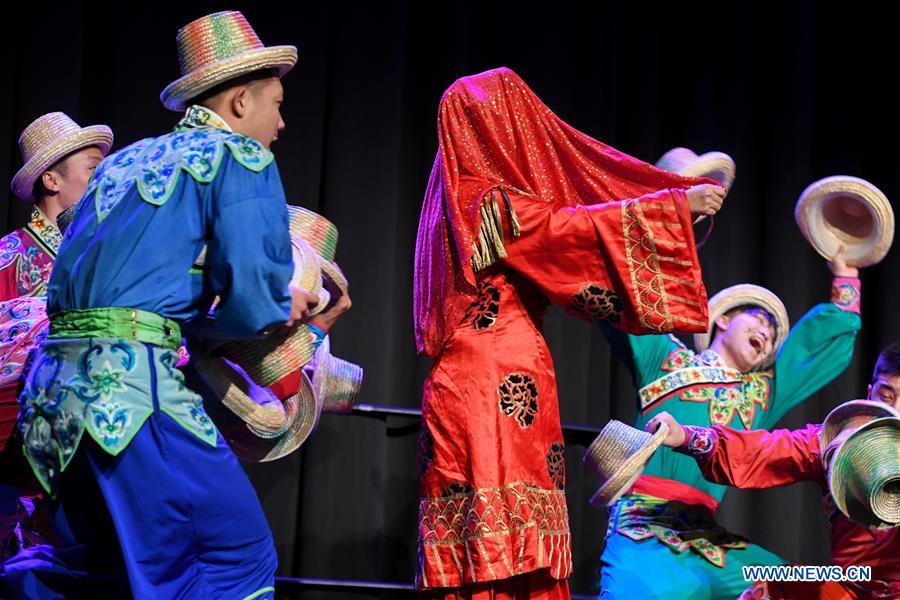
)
(262, 119)
(744, 338)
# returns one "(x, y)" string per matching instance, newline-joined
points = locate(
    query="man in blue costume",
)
(187, 520)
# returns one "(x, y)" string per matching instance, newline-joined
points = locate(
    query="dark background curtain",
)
(794, 91)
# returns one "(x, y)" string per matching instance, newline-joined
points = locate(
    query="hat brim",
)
(850, 506)
(335, 381)
(233, 402)
(717, 166)
(744, 294)
(177, 94)
(22, 184)
(849, 415)
(863, 249)
(631, 469)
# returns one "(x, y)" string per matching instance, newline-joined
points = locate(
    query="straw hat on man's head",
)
(218, 48)
(746, 294)
(49, 139)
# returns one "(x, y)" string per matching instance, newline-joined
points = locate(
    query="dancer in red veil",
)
(523, 210)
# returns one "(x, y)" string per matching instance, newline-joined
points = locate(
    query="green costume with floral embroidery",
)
(668, 518)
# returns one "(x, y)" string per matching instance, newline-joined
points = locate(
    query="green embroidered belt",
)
(679, 526)
(117, 323)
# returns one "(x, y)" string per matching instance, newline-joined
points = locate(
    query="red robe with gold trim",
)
(521, 211)
(763, 459)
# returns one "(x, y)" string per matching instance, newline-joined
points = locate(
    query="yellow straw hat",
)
(46, 141)
(717, 166)
(216, 48)
(617, 457)
(846, 211)
(744, 294)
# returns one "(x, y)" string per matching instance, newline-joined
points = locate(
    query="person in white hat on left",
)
(59, 158)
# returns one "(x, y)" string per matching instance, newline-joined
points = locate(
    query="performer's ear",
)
(722, 323)
(50, 181)
(869, 392)
(240, 101)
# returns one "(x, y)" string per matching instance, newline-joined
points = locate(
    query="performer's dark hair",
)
(888, 362)
(204, 97)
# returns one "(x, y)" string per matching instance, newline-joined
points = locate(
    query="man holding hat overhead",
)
(150, 460)
(59, 157)
(852, 455)
(747, 372)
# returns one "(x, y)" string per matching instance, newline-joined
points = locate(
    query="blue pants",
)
(650, 569)
(178, 516)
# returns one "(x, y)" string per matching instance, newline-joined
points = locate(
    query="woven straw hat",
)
(864, 474)
(717, 166)
(743, 294)
(843, 419)
(46, 141)
(335, 380)
(322, 236)
(617, 456)
(216, 48)
(258, 425)
(850, 211)
(268, 359)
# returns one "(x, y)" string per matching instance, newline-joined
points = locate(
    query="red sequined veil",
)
(522, 210)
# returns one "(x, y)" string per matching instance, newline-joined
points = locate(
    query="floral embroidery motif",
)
(154, 164)
(33, 271)
(598, 303)
(484, 311)
(200, 116)
(705, 378)
(556, 465)
(699, 442)
(845, 294)
(110, 420)
(46, 231)
(426, 448)
(518, 398)
(102, 387)
(23, 326)
(674, 524)
(726, 400)
(10, 248)
(32, 250)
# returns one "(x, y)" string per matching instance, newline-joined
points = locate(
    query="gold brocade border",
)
(640, 252)
(459, 524)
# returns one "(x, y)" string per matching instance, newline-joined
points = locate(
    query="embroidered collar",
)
(200, 116)
(712, 358)
(45, 230)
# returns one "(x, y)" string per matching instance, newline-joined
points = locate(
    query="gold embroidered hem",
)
(492, 533)
(679, 526)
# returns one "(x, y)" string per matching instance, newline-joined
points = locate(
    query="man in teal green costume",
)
(749, 376)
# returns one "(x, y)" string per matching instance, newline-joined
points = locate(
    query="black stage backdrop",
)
(794, 91)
